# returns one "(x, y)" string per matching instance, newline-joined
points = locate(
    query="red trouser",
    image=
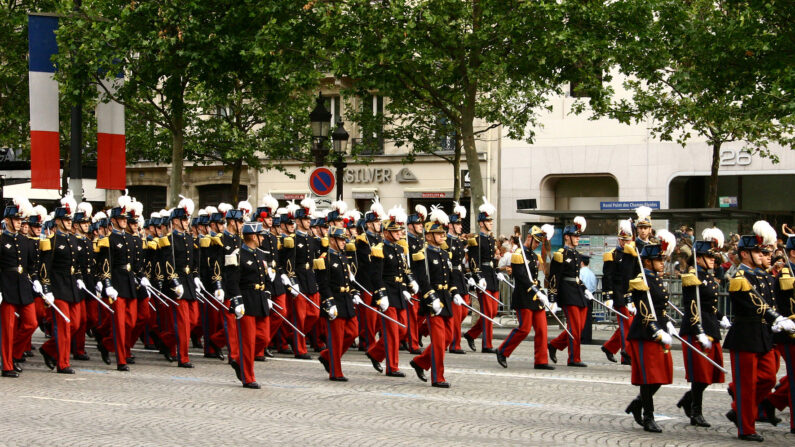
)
(15, 333)
(527, 320)
(341, 333)
(387, 346)
(227, 335)
(210, 324)
(575, 321)
(139, 321)
(753, 375)
(413, 322)
(184, 318)
(619, 338)
(60, 345)
(276, 321)
(92, 313)
(369, 320)
(304, 316)
(485, 327)
(784, 396)
(116, 339)
(251, 334)
(79, 334)
(459, 313)
(441, 332)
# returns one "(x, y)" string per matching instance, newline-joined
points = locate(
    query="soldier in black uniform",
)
(415, 245)
(369, 236)
(81, 224)
(340, 299)
(211, 260)
(62, 279)
(18, 272)
(434, 274)
(388, 274)
(619, 265)
(250, 302)
(270, 246)
(649, 336)
(139, 249)
(181, 263)
(457, 246)
(750, 339)
(528, 301)
(566, 289)
(483, 258)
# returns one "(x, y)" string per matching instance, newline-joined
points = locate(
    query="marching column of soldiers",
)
(253, 281)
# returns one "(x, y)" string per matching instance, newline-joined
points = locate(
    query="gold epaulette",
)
(558, 256)
(205, 242)
(419, 256)
(362, 237)
(152, 245)
(444, 246)
(690, 279)
(638, 284)
(450, 254)
(516, 257)
(472, 242)
(324, 242)
(288, 242)
(163, 242)
(103, 242)
(377, 250)
(45, 245)
(350, 246)
(739, 283)
(217, 240)
(785, 279)
(319, 264)
(608, 256)
(629, 248)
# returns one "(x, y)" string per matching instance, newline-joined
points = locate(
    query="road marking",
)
(72, 401)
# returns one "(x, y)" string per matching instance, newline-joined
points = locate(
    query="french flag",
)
(45, 160)
(111, 146)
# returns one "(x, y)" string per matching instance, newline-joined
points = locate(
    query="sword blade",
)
(481, 314)
(487, 293)
(98, 300)
(55, 308)
(288, 323)
(698, 351)
(559, 322)
(508, 282)
(383, 315)
(308, 299)
(611, 309)
(681, 314)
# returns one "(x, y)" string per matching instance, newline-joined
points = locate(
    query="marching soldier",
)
(81, 224)
(388, 274)
(19, 281)
(483, 258)
(414, 224)
(438, 293)
(270, 247)
(649, 336)
(62, 279)
(457, 246)
(528, 301)
(568, 291)
(34, 237)
(250, 302)
(617, 271)
(211, 251)
(139, 249)
(701, 325)
(369, 236)
(750, 339)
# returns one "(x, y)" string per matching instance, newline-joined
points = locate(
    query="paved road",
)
(159, 404)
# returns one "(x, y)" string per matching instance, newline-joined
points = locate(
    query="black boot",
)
(650, 425)
(470, 342)
(625, 359)
(609, 355)
(696, 418)
(635, 409)
(685, 403)
(553, 353)
(770, 413)
(647, 400)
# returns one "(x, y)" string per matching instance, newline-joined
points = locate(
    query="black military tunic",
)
(388, 272)
(232, 244)
(457, 247)
(754, 313)
(115, 260)
(565, 286)
(525, 289)
(334, 283)
(87, 261)
(181, 263)
(211, 261)
(785, 303)
(252, 287)
(707, 320)
(617, 271)
(270, 247)
(482, 249)
(17, 268)
(364, 242)
(437, 279)
(644, 325)
(62, 267)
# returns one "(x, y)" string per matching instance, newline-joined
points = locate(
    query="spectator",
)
(586, 274)
(776, 266)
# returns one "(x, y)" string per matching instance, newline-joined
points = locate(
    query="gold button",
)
(19, 268)
(128, 267)
(187, 270)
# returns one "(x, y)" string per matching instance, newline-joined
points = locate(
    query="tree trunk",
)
(236, 169)
(458, 184)
(473, 164)
(178, 150)
(712, 197)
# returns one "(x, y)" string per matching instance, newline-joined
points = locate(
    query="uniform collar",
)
(388, 243)
(484, 234)
(333, 251)
(300, 232)
(247, 248)
(649, 272)
(9, 233)
(119, 232)
(411, 235)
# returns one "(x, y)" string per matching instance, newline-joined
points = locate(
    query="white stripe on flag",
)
(110, 115)
(43, 101)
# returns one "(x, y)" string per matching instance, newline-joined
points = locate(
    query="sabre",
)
(487, 293)
(97, 298)
(288, 322)
(611, 309)
(364, 289)
(681, 314)
(53, 306)
(698, 351)
(308, 299)
(161, 295)
(207, 300)
(698, 287)
(508, 282)
(479, 313)
(383, 315)
(150, 305)
(213, 297)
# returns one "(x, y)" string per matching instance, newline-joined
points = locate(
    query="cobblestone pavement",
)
(159, 404)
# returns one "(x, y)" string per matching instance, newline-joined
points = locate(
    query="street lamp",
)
(340, 143)
(320, 120)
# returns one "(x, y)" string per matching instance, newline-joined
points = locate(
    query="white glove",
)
(98, 287)
(231, 259)
(240, 310)
(111, 293)
(553, 307)
(631, 308)
(458, 300)
(671, 328)
(294, 289)
(145, 282)
(407, 296)
(219, 295)
(37, 287)
(270, 304)
(663, 337)
(588, 295)
(1, 297)
(332, 312)
(80, 284)
(544, 299)
(48, 298)
(179, 290)
(357, 300)
(783, 324)
(609, 303)
(383, 303)
(725, 323)
(471, 282)
(437, 306)
(704, 341)
(272, 274)
(414, 287)
(352, 277)
(482, 283)
(198, 283)
(500, 276)
(285, 280)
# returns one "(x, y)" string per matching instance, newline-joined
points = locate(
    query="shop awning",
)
(671, 213)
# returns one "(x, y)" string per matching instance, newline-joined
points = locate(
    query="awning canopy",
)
(672, 213)
(90, 192)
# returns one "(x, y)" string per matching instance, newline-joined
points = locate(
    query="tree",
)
(690, 69)
(490, 61)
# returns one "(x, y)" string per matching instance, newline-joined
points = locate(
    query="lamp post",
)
(320, 120)
(340, 142)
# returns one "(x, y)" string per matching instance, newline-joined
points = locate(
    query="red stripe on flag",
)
(45, 160)
(111, 161)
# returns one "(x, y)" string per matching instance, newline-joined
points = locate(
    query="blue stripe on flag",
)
(41, 41)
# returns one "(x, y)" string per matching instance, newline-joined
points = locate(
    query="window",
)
(372, 133)
(332, 104)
